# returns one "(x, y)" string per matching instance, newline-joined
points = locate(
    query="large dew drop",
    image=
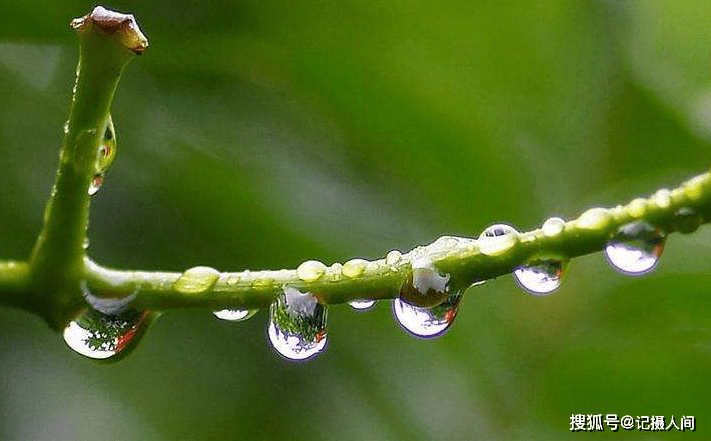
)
(540, 277)
(425, 286)
(101, 336)
(636, 248)
(497, 239)
(297, 325)
(426, 322)
(310, 271)
(234, 315)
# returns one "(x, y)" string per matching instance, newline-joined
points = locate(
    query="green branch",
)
(464, 260)
(59, 279)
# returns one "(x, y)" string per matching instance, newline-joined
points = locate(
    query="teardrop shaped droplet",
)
(197, 280)
(362, 304)
(425, 286)
(297, 325)
(426, 322)
(497, 239)
(540, 277)
(636, 248)
(102, 337)
(96, 182)
(235, 315)
(310, 271)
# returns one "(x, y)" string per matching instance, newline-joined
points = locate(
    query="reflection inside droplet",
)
(102, 336)
(234, 315)
(540, 277)
(426, 322)
(96, 182)
(636, 248)
(297, 325)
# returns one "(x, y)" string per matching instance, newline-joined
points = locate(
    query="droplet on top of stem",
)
(497, 239)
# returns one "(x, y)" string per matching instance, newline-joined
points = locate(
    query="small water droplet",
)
(426, 322)
(553, 226)
(687, 220)
(310, 271)
(662, 198)
(497, 239)
(594, 219)
(637, 207)
(196, 280)
(102, 336)
(96, 183)
(234, 315)
(297, 325)
(635, 248)
(65, 129)
(354, 268)
(362, 304)
(393, 257)
(85, 244)
(540, 277)
(425, 286)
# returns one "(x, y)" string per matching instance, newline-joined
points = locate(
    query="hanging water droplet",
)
(297, 325)
(196, 280)
(235, 315)
(310, 271)
(687, 220)
(354, 268)
(426, 322)
(107, 149)
(635, 248)
(540, 277)
(425, 286)
(362, 304)
(553, 226)
(96, 183)
(102, 336)
(107, 305)
(497, 239)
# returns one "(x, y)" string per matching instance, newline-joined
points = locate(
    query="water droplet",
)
(107, 305)
(553, 226)
(354, 268)
(196, 280)
(235, 315)
(425, 286)
(297, 325)
(102, 336)
(594, 219)
(687, 220)
(96, 183)
(540, 277)
(497, 239)
(635, 248)
(65, 129)
(637, 207)
(662, 198)
(85, 244)
(393, 257)
(107, 149)
(426, 322)
(362, 304)
(310, 271)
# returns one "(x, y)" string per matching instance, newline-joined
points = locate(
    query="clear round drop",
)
(497, 239)
(96, 182)
(234, 315)
(635, 248)
(102, 336)
(540, 277)
(426, 322)
(425, 286)
(362, 304)
(297, 325)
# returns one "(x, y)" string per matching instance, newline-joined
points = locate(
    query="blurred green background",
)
(257, 134)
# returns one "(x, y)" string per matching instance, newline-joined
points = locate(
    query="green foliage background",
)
(258, 134)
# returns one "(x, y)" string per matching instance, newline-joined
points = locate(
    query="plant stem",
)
(461, 258)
